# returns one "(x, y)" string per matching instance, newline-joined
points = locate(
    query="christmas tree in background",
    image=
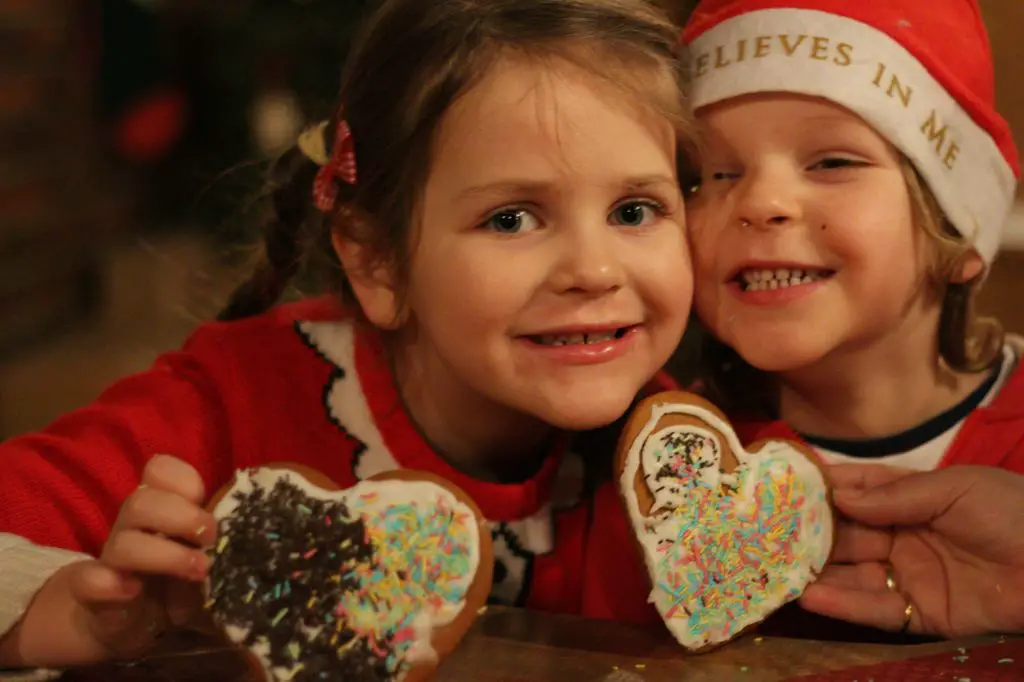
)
(198, 95)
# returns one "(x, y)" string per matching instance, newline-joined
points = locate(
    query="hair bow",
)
(340, 165)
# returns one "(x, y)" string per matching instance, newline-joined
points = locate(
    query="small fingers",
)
(139, 552)
(175, 476)
(129, 630)
(184, 603)
(92, 582)
(160, 511)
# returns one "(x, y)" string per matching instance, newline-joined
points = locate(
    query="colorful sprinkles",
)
(722, 555)
(334, 589)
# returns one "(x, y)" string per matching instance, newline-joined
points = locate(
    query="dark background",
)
(134, 135)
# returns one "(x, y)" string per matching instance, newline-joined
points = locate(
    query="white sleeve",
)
(24, 567)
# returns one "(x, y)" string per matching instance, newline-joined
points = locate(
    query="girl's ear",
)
(971, 267)
(373, 281)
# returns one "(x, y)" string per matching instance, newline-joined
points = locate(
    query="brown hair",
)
(966, 343)
(413, 60)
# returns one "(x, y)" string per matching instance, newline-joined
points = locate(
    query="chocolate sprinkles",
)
(278, 571)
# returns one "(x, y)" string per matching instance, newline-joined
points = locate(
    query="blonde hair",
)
(967, 343)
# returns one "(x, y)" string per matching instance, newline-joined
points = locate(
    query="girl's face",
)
(804, 243)
(550, 275)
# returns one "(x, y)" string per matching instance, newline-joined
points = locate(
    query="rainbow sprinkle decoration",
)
(728, 544)
(418, 555)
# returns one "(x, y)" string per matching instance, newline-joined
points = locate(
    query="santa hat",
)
(919, 71)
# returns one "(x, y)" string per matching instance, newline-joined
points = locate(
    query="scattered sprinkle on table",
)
(980, 663)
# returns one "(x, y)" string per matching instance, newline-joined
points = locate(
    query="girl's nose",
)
(590, 262)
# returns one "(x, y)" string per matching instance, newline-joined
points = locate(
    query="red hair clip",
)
(340, 166)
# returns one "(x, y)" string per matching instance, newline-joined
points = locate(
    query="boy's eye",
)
(690, 186)
(511, 221)
(635, 213)
(834, 162)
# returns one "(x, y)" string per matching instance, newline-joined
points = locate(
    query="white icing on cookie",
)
(724, 550)
(374, 501)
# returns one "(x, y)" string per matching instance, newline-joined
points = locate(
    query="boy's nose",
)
(767, 199)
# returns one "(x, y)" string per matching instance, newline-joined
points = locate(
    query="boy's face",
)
(804, 244)
(550, 275)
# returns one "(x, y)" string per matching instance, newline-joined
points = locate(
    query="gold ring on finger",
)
(890, 579)
(908, 614)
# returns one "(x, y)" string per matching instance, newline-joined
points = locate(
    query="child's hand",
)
(149, 573)
(147, 578)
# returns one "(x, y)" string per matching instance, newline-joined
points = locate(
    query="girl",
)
(500, 213)
(853, 187)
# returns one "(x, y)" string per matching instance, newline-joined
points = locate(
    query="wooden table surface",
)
(512, 645)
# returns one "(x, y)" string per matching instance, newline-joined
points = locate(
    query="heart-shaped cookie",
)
(376, 582)
(728, 535)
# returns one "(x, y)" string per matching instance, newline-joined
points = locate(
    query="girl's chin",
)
(586, 415)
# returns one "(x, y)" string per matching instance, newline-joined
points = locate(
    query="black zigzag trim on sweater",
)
(337, 374)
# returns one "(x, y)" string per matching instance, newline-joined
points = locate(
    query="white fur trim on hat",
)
(863, 69)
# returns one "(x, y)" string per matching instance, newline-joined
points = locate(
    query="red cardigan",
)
(303, 383)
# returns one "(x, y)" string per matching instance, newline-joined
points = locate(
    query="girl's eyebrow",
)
(646, 181)
(513, 186)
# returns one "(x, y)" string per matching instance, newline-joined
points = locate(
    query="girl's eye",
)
(511, 221)
(835, 162)
(722, 175)
(636, 213)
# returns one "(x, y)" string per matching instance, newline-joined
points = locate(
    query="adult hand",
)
(954, 539)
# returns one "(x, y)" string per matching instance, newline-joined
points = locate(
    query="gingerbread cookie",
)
(376, 582)
(728, 535)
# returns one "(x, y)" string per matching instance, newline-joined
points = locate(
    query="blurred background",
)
(134, 135)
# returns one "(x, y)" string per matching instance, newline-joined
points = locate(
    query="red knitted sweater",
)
(302, 383)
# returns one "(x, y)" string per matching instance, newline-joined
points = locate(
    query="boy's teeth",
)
(778, 278)
(570, 339)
